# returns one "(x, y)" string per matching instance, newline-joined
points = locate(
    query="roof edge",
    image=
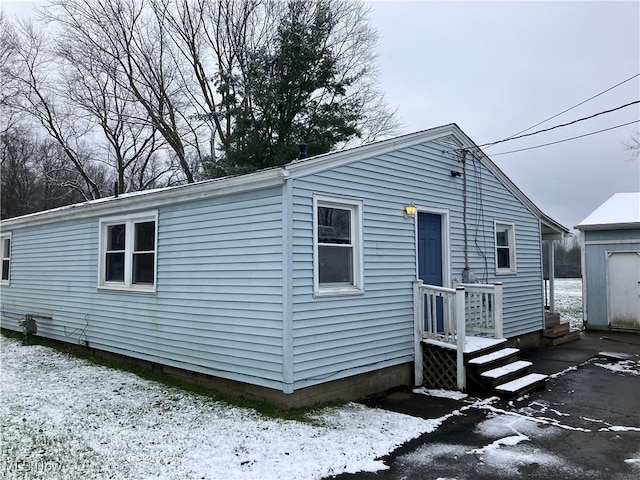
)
(608, 226)
(151, 198)
(519, 194)
(319, 163)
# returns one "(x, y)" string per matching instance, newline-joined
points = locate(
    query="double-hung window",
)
(128, 252)
(505, 247)
(5, 252)
(337, 246)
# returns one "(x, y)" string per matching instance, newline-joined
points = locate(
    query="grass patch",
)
(152, 373)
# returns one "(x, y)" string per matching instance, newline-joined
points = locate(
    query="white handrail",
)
(461, 337)
(467, 309)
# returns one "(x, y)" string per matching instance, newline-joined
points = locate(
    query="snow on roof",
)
(622, 210)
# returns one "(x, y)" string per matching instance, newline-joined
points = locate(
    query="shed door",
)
(623, 289)
(430, 254)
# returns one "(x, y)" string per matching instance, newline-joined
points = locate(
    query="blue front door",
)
(430, 255)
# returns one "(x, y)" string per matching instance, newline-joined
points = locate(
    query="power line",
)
(559, 126)
(567, 139)
(576, 105)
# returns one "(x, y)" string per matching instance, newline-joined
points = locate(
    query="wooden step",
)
(506, 373)
(494, 359)
(522, 386)
(569, 337)
(551, 320)
(556, 331)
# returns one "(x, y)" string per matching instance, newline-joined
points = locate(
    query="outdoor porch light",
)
(410, 211)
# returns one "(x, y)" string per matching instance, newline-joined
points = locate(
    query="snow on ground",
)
(568, 301)
(67, 417)
(454, 395)
(631, 367)
(505, 454)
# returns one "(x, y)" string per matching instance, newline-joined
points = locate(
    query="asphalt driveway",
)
(584, 425)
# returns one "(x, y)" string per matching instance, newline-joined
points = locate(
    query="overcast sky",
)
(496, 68)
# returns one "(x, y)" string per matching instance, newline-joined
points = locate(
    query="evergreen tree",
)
(293, 93)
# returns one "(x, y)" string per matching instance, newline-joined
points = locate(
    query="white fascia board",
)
(327, 161)
(449, 132)
(509, 185)
(609, 226)
(152, 198)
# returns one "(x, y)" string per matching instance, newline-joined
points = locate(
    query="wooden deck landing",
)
(471, 345)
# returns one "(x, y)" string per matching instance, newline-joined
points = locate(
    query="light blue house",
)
(610, 239)
(293, 284)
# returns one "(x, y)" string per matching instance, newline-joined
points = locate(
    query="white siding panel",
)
(218, 304)
(339, 336)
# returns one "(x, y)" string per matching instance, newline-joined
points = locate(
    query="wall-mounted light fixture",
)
(410, 211)
(455, 173)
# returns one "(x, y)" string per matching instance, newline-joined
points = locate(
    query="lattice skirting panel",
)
(439, 367)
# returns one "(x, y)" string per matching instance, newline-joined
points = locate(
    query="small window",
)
(338, 246)
(128, 253)
(5, 250)
(505, 248)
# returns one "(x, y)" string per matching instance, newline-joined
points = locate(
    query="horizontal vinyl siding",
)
(595, 272)
(218, 304)
(337, 336)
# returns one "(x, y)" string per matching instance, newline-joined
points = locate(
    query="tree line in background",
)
(567, 258)
(151, 93)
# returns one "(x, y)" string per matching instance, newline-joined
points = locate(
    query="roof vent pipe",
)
(302, 151)
(115, 189)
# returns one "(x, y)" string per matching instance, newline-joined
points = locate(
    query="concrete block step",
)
(522, 386)
(569, 337)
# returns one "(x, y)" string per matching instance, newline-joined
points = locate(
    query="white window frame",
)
(511, 238)
(6, 256)
(357, 286)
(129, 221)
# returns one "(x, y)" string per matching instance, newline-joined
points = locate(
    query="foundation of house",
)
(344, 389)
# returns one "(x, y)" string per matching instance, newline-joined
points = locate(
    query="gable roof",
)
(621, 210)
(448, 135)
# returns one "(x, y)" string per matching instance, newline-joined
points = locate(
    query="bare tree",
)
(126, 37)
(633, 146)
(186, 63)
(36, 174)
(131, 142)
(37, 80)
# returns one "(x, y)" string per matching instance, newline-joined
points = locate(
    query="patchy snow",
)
(501, 442)
(504, 457)
(430, 453)
(566, 370)
(527, 415)
(501, 425)
(618, 428)
(452, 394)
(508, 462)
(631, 367)
(66, 417)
